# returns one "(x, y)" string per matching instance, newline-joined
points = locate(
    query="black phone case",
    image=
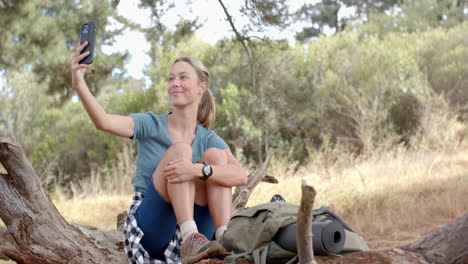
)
(90, 36)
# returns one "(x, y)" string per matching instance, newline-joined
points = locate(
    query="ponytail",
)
(207, 110)
(206, 114)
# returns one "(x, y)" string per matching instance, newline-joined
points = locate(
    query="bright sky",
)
(209, 11)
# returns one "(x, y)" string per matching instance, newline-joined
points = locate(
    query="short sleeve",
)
(215, 141)
(145, 126)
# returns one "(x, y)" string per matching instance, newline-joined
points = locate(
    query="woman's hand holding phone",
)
(79, 70)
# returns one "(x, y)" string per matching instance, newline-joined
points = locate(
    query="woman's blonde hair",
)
(206, 109)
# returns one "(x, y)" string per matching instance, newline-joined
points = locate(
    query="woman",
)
(184, 170)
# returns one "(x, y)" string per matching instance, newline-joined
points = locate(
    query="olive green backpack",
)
(266, 234)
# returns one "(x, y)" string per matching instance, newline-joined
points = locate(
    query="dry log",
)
(36, 232)
(448, 244)
(305, 250)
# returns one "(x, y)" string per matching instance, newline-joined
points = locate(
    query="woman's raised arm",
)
(118, 125)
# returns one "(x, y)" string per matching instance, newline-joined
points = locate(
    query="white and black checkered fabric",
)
(133, 234)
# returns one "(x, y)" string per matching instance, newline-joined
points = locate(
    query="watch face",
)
(207, 170)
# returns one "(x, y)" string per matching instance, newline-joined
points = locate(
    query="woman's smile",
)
(176, 93)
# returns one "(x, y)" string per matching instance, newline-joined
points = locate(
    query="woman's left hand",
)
(178, 171)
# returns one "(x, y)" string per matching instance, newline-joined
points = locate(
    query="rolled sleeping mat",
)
(328, 237)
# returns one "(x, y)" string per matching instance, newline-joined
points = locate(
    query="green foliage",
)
(231, 122)
(443, 59)
(416, 16)
(48, 143)
(22, 100)
(263, 13)
(41, 35)
(363, 80)
(325, 15)
(379, 17)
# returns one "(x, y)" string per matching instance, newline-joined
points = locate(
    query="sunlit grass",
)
(99, 211)
(389, 198)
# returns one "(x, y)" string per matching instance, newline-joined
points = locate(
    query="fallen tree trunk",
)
(448, 244)
(37, 233)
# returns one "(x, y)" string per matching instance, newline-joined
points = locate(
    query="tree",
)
(390, 15)
(261, 15)
(21, 92)
(39, 36)
(417, 16)
(325, 16)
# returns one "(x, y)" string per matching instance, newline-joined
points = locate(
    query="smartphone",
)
(88, 33)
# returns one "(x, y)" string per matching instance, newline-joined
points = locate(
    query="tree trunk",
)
(448, 244)
(37, 233)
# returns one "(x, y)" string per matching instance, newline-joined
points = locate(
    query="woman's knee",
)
(215, 156)
(175, 151)
(180, 149)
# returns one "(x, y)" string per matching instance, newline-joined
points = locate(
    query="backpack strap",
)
(323, 211)
(258, 255)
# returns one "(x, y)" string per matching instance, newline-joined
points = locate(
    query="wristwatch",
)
(207, 171)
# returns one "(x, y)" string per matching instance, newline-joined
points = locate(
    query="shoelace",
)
(200, 238)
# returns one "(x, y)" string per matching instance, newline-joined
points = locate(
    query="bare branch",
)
(242, 194)
(304, 228)
(245, 43)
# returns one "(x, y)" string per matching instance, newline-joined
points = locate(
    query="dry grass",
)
(389, 198)
(99, 211)
(392, 194)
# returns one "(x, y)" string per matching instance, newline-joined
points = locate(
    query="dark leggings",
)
(156, 218)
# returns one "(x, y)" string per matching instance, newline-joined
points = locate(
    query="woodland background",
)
(373, 114)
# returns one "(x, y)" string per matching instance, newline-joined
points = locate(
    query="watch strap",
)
(205, 176)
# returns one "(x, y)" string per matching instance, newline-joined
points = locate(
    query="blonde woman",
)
(184, 170)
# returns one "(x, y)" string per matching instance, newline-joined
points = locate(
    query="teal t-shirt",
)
(153, 139)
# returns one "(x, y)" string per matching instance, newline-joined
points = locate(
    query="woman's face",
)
(184, 87)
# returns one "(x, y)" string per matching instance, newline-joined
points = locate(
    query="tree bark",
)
(36, 232)
(448, 244)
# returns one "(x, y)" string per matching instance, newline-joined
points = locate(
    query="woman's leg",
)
(183, 196)
(156, 218)
(180, 195)
(156, 215)
(219, 197)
